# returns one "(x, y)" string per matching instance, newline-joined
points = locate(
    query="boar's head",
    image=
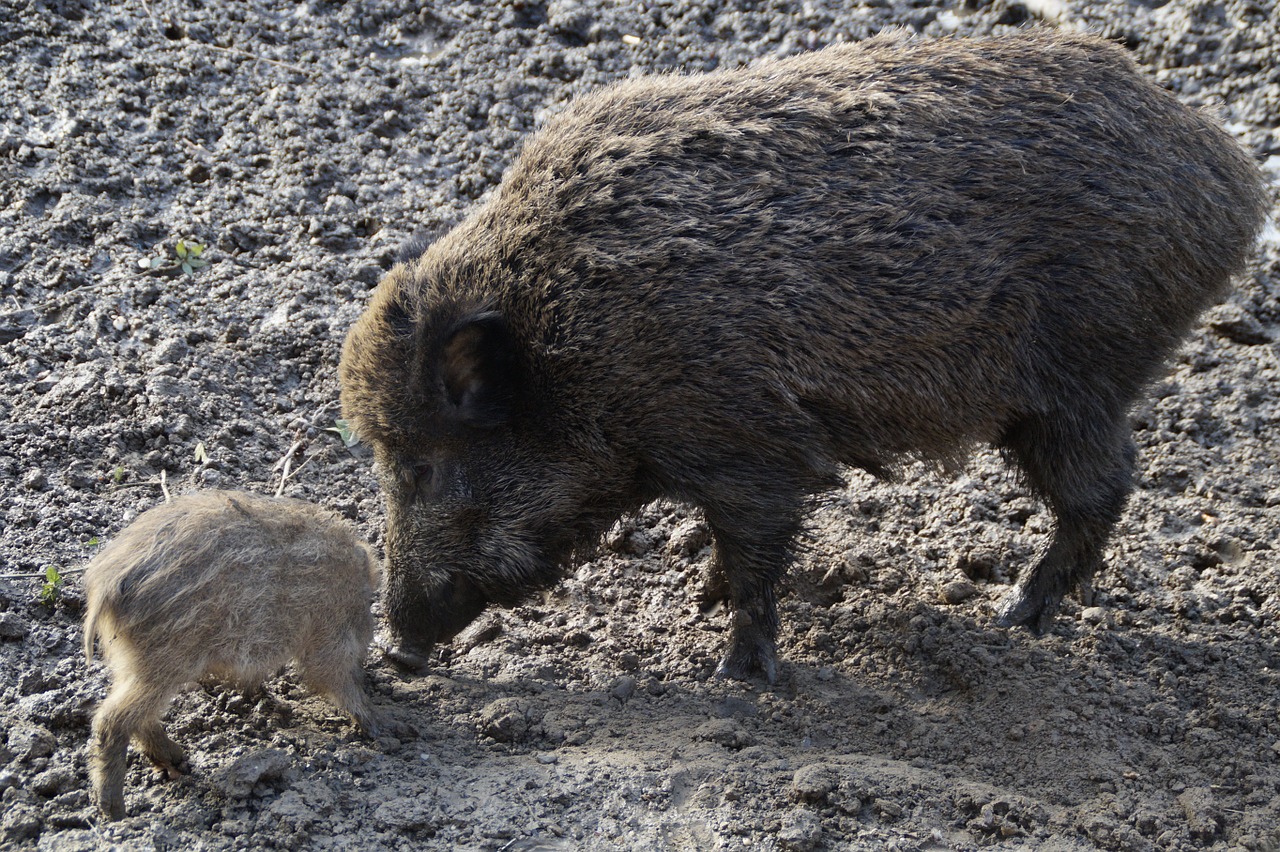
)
(491, 484)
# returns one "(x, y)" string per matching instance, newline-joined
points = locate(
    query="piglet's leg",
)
(132, 707)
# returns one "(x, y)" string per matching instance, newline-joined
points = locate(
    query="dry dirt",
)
(302, 143)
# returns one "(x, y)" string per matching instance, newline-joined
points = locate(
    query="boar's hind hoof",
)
(111, 804)
(403, 658)
(752, 664)
(1034, 612)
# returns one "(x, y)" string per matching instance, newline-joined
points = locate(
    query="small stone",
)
(801, 831)
(888, 809)
(1236, 324)
(1096, 615)
(341, 205)
(238, 780)
(51, 782)
(725, 732)
(28, 742)
(80, 476)
(958, 591)
(814, 783)
(624, 688)
(13, 626)
(638, 543)
(505, 720)
(20, 822)
(689, 537)
(169, 351)
(1203, 817)
(35, 480)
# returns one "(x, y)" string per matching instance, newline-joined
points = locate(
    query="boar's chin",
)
(436, 617)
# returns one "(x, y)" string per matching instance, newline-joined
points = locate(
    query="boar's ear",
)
(477, 364)
(398, 317)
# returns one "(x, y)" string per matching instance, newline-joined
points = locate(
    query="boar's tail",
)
(91, 627)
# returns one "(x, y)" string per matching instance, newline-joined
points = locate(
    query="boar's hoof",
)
(166, 756)
(750, 657)
(1032, 611)
(112, 806)
(736, 669)
(406, 659)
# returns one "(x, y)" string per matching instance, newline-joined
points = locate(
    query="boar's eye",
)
(423, 478)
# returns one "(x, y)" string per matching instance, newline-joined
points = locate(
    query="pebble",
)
(28, 741)
(171, 350)
(958, 591)
(505, 720)
(725, 732)
(238, 780)
(624, 688)
(814, 783)
(801, 831)
(13, 626)
(1096, 615)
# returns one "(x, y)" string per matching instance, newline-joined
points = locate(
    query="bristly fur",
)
(229, 584)
(722, 288)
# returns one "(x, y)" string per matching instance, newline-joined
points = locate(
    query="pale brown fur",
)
(227, 584)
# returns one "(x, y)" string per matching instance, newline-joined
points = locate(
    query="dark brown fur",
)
(722, 288)
(229, 584)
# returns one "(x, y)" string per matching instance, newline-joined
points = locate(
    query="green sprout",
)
(189, 255)
(52, 586)
(344, 431)
(118, 474)
(186, 258)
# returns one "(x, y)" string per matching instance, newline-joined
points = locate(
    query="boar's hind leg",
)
(1085, 474)
(160, 750)
(751, 553)
(129, 709)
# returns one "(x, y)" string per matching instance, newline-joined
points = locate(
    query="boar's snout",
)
(403, 656)
(418, 618)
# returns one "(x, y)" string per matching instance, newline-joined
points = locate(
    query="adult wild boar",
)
(721, 288)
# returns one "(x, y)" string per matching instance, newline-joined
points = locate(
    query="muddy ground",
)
(301, 144)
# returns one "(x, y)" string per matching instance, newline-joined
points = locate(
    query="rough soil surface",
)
(302, 143)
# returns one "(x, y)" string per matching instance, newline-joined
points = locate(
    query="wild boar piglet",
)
(227, 584)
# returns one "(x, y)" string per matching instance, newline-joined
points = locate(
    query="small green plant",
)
(187, 257)
(344, 431)
(118, 474)
(52, 586)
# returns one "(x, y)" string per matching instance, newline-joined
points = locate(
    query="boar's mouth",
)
(417, 625)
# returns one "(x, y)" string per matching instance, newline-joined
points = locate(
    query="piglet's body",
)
(226, 584)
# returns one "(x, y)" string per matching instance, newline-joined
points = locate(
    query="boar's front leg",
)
(752, 551)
